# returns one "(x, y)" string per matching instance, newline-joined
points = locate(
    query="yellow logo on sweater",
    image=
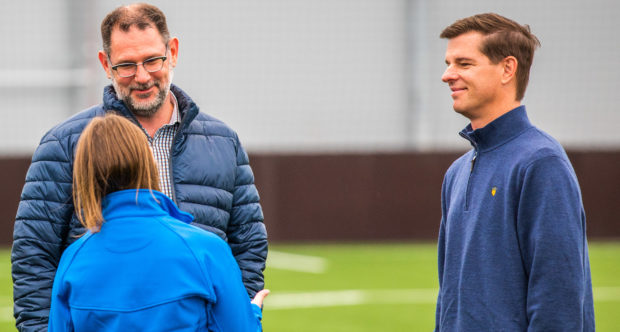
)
(493, 191)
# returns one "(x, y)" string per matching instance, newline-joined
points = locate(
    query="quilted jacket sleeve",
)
(247, 235)
(41, 225)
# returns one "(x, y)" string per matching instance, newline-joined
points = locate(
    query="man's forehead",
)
(135, 34)
(471, 38)
(464, 46)
(136, 42)
(121, 29)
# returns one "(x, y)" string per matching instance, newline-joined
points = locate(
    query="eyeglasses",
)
(129, 69)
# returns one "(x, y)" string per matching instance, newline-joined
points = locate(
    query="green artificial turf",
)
(404, 269)
(368, 287)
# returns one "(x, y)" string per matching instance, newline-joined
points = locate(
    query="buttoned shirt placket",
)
(161, 144)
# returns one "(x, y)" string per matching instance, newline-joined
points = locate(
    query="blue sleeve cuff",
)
(258, 312)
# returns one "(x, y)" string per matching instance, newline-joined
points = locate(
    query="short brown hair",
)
(503, 37)
(141, 15)
(112, 154)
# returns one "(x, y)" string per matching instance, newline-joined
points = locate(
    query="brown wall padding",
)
(365, 197)
(351, 196)
(12, 175)
(599, 178)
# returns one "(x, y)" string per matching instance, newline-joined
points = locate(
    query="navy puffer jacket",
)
(212, 180)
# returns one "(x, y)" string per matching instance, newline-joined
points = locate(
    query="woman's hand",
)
(259, 297)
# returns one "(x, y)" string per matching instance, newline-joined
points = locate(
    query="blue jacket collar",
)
(189, 110)
(499, 131)
(141, 203)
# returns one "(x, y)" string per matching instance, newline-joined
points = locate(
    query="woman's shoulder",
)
(194, 237)
(69, 254)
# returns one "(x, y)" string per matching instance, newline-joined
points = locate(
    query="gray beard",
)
(146, 110)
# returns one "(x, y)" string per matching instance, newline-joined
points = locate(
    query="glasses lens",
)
(153, 65)
(126, 70)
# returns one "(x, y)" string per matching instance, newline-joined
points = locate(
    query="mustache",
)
(144, 86)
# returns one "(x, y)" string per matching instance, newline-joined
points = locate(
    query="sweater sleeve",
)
(41, 225)
(246, 231)
(551, 230)
(441, 247)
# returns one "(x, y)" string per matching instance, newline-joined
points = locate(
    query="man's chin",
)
(143, 109)
(144, 112)
(462, 111)
(459, 110)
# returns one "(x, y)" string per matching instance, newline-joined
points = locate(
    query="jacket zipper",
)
(469, 180)
(473, 162)
(471, 170)
(170, 175)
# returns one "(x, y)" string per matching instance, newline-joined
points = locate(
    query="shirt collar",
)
(175, 110)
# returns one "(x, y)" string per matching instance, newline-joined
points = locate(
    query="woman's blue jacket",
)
(147, 269)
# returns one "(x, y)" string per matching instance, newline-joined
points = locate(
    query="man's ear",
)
(103, 58)
(509, 65)
(173, 44)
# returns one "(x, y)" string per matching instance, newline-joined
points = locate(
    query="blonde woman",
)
(141, 266)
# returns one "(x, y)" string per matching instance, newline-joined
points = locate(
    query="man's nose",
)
(449, 75)
(141, 74)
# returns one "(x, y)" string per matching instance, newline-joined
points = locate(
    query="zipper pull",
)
(473, 162)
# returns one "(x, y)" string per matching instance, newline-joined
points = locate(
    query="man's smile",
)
(456, 91)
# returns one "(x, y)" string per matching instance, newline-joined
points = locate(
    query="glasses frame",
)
(143, 63)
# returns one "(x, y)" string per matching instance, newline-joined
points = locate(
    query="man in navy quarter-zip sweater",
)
(513, 254)
(203, 167)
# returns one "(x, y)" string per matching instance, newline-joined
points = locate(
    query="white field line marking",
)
(294, 262)
(279, 301)
(349, 297)
(606, 294)
(6, 314)
(314, 299)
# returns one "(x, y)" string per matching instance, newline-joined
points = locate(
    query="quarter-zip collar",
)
(499, 131)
